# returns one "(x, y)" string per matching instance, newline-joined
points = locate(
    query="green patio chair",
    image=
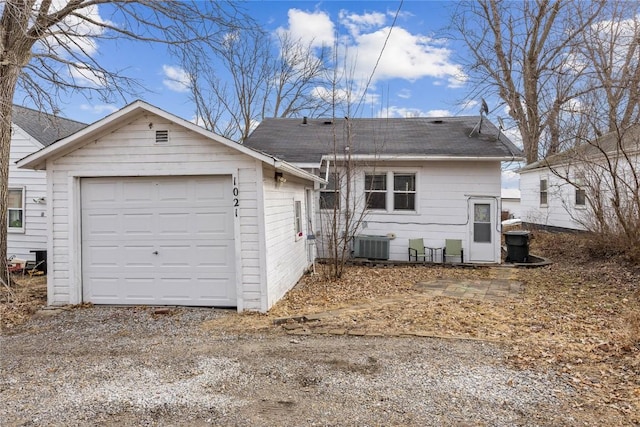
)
(452, 248)
(417, 249)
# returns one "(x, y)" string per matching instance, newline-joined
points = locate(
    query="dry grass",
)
(20, 301)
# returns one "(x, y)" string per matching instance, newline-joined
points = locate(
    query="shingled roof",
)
(306, 141)
(43, 127)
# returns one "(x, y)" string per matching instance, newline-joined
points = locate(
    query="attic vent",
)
(162, 136)
(438, 122)
(328, 122)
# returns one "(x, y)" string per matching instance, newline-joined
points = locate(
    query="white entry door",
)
(158, 241)
(483, 231)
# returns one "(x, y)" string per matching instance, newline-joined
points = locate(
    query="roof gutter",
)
(401, 157)
(292, 170)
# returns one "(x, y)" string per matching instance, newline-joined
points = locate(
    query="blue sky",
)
(418, 73)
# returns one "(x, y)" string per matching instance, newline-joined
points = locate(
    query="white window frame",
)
(335, 190)
(297, 219)
(390, 191)
(23, 209)
(385, 192)
(578, 185)
(546, 192)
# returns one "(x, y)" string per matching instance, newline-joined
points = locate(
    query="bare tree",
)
(47, 47)
(519, 51)
(257, 76)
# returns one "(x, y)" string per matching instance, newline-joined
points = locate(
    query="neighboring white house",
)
(567, 189)
(511, 202)
(31, 130)
(429, 178)
(148, 208)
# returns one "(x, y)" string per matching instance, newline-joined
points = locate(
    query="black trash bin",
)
(41, 260)
(517, 246)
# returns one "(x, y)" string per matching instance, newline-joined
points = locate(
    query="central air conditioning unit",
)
(371, 247)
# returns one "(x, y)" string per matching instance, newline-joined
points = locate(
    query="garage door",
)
(160, 240)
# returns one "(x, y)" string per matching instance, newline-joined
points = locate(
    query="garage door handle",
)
(155, 252)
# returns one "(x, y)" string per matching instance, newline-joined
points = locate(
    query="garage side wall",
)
(286, 254)
(132, 150)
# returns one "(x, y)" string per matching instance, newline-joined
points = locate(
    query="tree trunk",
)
(8, 79)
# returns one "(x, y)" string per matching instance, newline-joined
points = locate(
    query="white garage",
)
(145, 208)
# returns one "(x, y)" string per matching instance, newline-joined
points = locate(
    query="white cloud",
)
(404, 94)
(102, 109)
(77, 32)
(311, 28)
(439, 113)
(176, 78)
(357, 23)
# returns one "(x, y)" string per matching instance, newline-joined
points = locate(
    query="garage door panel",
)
(157, 242)
(99, 225)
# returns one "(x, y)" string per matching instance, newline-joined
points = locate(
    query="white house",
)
(511, 202)
(429, 178)
(570, 190)
(147, 208)
(31, 130)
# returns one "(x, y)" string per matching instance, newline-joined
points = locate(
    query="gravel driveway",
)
(129, 366)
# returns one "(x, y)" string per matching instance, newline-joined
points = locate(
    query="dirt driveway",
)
(129, 366)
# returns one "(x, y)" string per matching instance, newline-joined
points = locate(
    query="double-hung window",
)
(375, 191)
(390, 191)
(330, 196)
(15, 210)
(404, 192)
(543, 192)
(581, 194)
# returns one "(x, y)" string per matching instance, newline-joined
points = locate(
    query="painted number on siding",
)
(236, 202)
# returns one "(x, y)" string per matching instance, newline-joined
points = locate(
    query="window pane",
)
(543, 185)
(329, 200)
(404, 182)
(543, 198)
(482, 232)
(482, 213)
(404, 201)
(15, 199)
(376, 200)
(375, 182)
(15, 219)
(581, 197)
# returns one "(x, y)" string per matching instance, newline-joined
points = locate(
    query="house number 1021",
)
(236, 202)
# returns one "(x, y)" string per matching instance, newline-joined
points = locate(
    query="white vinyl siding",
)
(442, 193)
(33, 236)
(286, 253)
(560, 210)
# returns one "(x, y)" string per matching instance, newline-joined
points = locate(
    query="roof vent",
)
(162, 136)
(304, 120)
(437, 122)
(328, 122)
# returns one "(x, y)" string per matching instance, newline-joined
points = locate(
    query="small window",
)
(15, 210)
(330, 196)
(543, 192)
(298, 218)
(375, 191)
(581, 197)
(404, 192)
